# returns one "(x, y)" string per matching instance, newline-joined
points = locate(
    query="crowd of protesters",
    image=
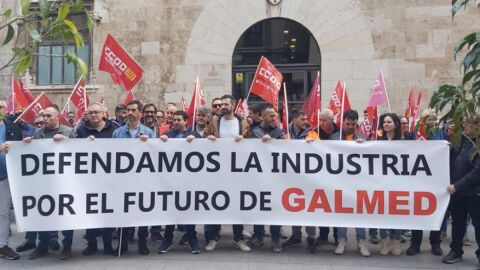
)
(146, 121)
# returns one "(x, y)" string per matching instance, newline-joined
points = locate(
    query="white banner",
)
(79, 183)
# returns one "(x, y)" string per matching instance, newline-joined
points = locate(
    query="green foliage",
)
(10, 34)
(460, 103)
(50, 21)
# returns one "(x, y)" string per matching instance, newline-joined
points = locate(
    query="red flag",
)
(184, 103)
(129, 98)
(379, 92)
(267, 82)
(26, 93)
(122, 67)
(313, 103)
(416, 111)
(335, 103)
(37, 106)
(80, 99)
(197, 101)
(285, 112)
(421, 135)
(410, 105)
(17, 101)
(242, 108)
(368, 127)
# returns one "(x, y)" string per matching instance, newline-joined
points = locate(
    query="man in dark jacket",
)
(465, 191)
(267, 131)
(300, 130)
(97, 126)
(58, 132)
(180, 131)
(8, 132)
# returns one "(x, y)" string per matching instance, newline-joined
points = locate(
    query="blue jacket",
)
(13, 133)
(123, 132)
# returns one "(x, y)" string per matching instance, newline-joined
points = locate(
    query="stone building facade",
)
(174, 41)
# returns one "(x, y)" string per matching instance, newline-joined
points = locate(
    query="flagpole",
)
(28, 107)
(386, 92)
(319, 96)
(286, 107)
(250, 89)
(120, 244)
(13, 95)
(341, 111)
(195, 93)
(377, 124)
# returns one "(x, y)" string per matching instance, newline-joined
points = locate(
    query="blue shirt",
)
(124, 132)
(3, 161)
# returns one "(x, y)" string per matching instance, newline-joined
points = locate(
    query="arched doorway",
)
(289, 46)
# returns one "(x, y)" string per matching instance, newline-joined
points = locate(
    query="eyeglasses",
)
(216, 105)
(404, 124)
(94, 112)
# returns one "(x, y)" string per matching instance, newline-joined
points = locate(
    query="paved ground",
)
(226, 257)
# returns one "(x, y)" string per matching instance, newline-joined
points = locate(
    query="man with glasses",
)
(97, 126)
(149, 117)
(8, 132)
(216, 107)
(160, 117)
(58, 132)
(134, 129)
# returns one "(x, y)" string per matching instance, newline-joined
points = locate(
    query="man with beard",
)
(134, 129)
(52, 129)
(227, 125)
(300, 130)
(149, 118)
(120, 115)
(349, 133)
(267, 130)
(465, 191)
(180, 131)
(97, 126)
(8, 132)
(163, 128)
(216, 107)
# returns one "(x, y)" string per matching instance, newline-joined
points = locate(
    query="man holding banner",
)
(8, 132)
(349, 133)
(97, 127)
(134, 129)
(227, 125)
(58, 132)
(267, 131)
